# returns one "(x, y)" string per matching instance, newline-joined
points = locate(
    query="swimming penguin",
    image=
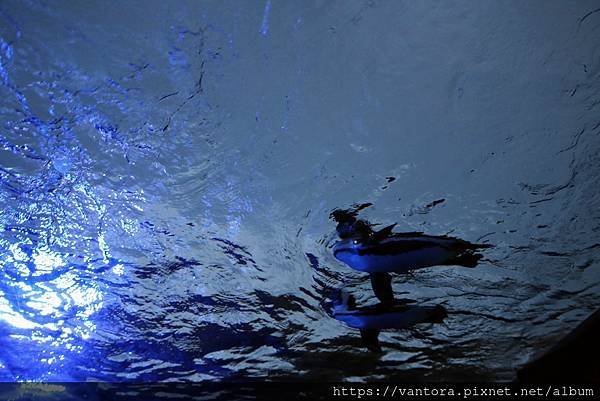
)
(381, 252)
(370, 320)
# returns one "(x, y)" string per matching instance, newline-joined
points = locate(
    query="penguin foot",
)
(382, 287)
(370, 339)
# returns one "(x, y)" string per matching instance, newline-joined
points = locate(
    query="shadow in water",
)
(574, 359)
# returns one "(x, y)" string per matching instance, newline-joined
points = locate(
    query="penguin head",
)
(362, 231)
(341, 216)
(357, 230)
(345, 220)
(345, 230)
(349, 225)
(346, 247)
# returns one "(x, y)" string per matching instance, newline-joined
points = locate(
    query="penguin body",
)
(370, 320)
(380, 317)
(403, 252)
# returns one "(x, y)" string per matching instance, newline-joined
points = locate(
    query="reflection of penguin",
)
(370, 320)
(380, 252)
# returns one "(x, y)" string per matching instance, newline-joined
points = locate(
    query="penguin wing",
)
(443, 240)
(370, 338)
(382, 287)
(409, 234)
(383, 233)
(397, 245)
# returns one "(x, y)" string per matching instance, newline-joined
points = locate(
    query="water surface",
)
(167, 169)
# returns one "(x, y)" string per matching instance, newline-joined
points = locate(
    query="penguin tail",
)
(467, 259)
(473, 246)
(438, 314)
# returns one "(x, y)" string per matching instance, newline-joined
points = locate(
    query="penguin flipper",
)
(382, 287)
(370, 338)
(383, 233)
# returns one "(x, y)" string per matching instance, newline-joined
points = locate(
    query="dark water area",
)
(167, 170)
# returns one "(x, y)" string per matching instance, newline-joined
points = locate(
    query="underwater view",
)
(295, 190)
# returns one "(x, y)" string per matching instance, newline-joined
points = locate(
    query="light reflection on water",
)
(46, 292)
(166, 173)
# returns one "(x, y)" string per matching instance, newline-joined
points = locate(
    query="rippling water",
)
(167, 169)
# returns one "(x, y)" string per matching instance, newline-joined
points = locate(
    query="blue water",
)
(167, 170)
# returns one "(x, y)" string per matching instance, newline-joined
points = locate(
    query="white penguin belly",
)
(398, 263)
(389, 320)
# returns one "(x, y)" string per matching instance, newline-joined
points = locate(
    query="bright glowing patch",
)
(46, 261)
(118, 269)
(18, 254)
(13, 318)
(103, 247)
(47, 303)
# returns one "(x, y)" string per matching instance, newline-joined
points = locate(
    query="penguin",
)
(370, 320)
(382, 252)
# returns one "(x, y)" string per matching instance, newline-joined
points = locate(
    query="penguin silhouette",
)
(370, 320)
(382, 252)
